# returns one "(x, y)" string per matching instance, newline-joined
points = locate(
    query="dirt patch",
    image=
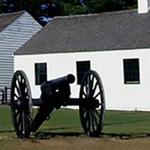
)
(85, 143)
(76, 143)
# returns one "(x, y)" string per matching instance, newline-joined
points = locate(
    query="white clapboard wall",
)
(12, 38)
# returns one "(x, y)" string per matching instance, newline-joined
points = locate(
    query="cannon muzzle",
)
(70, 78)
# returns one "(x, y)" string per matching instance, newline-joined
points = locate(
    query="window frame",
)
(85, 65)
(131, 71)
(38, 73)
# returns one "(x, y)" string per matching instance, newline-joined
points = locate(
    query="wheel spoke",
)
(19, 120)
(15, 95)
(94, 118)
(94, 89)
(86, 88)
(96, 113)
(92, 122)
(18, 112)
(92, 81)
(84, 94)
(23, 122)
(88, 121)
(18, 89)
(97, 95)
(89, 85)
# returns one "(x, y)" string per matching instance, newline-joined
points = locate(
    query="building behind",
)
(15, 30)
(115, 44)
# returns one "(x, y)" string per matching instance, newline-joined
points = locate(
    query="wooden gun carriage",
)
(54, 94)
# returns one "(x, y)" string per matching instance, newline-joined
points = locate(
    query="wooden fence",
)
(5, 95)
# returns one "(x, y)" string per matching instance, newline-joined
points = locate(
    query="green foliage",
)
(2, 7)
(109, 5)
(51, 8)
(114, 5)
(21, 4)
(70, 9)
(95, 6)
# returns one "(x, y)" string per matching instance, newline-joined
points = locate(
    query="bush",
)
(70, 9)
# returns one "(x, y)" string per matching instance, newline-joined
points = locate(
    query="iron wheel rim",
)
(92, 118)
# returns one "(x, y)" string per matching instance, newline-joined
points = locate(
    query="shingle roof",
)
(98, 32)
(6, 19)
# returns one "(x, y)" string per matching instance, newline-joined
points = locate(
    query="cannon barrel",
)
(57, 88)
(69, 78)
(59, 82)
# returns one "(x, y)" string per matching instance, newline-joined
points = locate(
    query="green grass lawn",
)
(67, 121)
(64, 132)
(127, 122)
(5, 119)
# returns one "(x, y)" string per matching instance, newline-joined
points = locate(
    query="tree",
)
(71, 9)
(96, 6)
(2, 7)
(50, 8)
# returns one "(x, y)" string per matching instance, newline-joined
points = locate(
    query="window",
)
(40, 73)
(82, 67)
(131, 71)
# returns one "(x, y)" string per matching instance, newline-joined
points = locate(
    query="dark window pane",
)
(40, 73)
(131, 71)
(82, 67)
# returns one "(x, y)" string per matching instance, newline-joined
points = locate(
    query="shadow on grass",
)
(47, 135)
(121, 136)
(58, 131)
(52, 133)
(124, 136)
(7, 131)
(62, 128)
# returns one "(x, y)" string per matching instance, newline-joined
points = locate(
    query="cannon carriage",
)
(54, 94)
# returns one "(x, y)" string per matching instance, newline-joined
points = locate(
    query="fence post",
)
(2, 96)
(5, 95)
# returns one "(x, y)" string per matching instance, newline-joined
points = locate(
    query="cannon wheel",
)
(21, 104)
(92, 111)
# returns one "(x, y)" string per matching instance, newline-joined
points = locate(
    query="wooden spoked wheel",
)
(92, 104)
(21, 104)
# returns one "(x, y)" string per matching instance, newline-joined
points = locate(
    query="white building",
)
(115, 44)
(15, 30)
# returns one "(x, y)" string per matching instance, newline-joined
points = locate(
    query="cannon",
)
(54, 94)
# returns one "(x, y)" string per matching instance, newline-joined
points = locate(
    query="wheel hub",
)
(89, 103)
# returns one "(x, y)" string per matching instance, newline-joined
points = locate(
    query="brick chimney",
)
(143, 6)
